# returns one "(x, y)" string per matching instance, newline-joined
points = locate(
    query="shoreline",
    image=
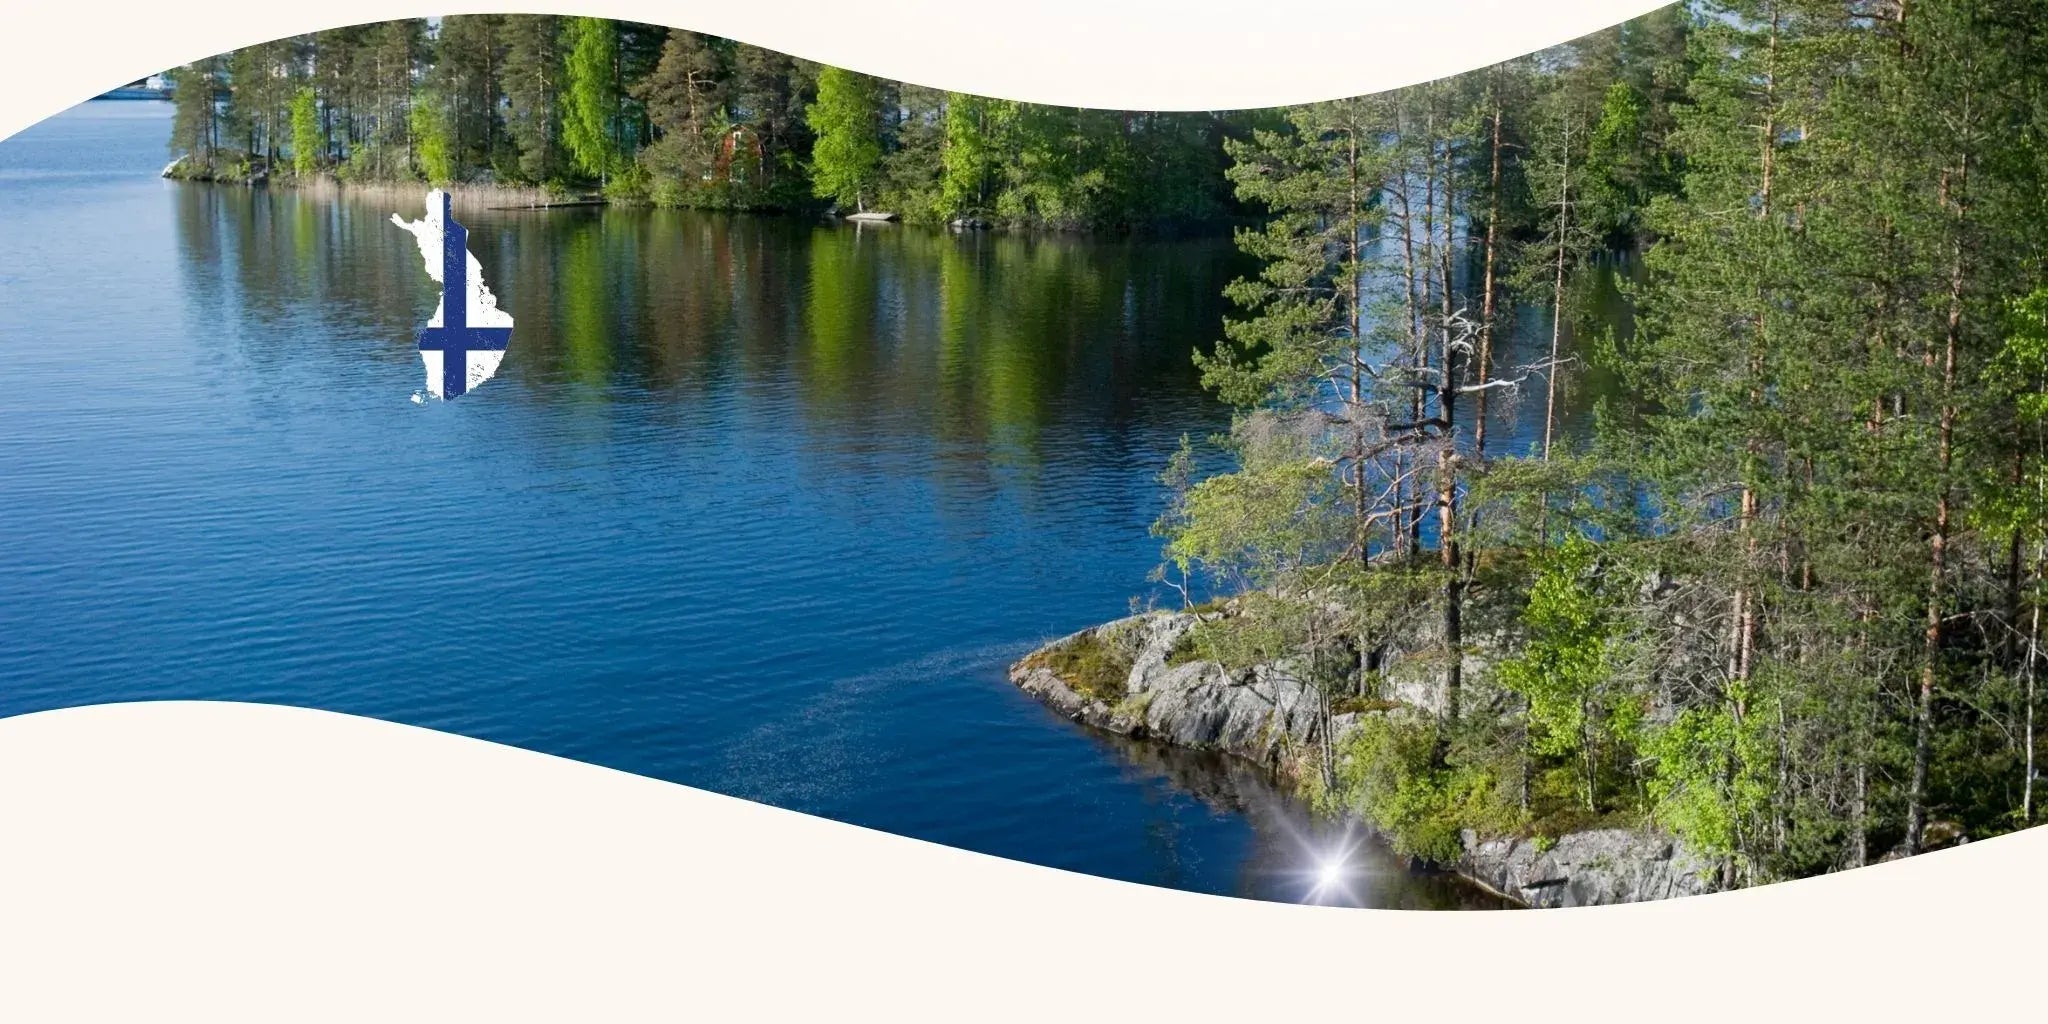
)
(1130, 677)
(473, 196)
(465, 195)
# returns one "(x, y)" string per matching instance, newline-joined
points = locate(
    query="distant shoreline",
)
(466, 195)
(474, 196)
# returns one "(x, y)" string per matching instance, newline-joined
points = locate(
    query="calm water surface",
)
(755, 504)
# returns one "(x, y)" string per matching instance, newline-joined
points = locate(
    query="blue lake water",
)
(758, 505)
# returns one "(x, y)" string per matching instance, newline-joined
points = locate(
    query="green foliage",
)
(368, 164)
(590, 108)
(2015, 502)
(1623, 170)
(1817, 484)
(632, 184)
(306, 142)
(1305, 305)
(1299, 343)
(533, 77)
(1565, 189)
(1710, 781)
(686, 98)
(196, 122)
(1307, 636)
(1388, 773)
(848, 152)
(381, 71)
(683, 119)
(2021, 366)
(261, 80)
(467, 80)
(433, 142)
(1564, 669)
(1178, 568)
(1256, 524)
(1317, 627)
(970, 156)
(910, 181)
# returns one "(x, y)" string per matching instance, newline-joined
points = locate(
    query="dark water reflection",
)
(755, 504)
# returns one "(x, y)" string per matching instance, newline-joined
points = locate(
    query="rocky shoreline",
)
(1135, 677)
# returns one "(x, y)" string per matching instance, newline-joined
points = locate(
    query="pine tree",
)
(533, 78)
(466, 79)
(1718, 327)
(196, 124)
(770, 93)
(685, 99)
(339, 76)
(263, 79)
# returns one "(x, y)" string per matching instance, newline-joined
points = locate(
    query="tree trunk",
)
(1564, 189)
(1742, 611)
(1413, 307)
(1429, 187)
(2015, 550)
(2033, 655)
(1454, 586)
(1588, 762)
(1447, 458)
(1937, 569)
(1486, 312)
(1361, 526)
(1859, 815)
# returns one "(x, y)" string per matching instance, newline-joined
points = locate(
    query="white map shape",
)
(482, 310)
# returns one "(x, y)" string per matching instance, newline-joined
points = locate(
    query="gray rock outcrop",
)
(1136, 677)
(1583, 869)
(1194, 704)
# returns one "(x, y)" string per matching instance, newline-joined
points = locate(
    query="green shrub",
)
(631, 184)
(1388, 773)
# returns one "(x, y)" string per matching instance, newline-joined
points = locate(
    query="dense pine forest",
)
(651, 114)
(1784, 600)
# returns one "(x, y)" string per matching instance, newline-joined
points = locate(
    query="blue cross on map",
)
(465, 340)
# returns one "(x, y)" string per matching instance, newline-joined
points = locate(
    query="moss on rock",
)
(1095, 664)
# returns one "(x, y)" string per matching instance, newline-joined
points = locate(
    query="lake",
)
(760, 505)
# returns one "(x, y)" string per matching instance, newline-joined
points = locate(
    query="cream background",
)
(216, 861)
(212, 861)
(1143, 54)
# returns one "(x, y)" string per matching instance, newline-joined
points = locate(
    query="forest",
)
(641, 113)
(1783, 600)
